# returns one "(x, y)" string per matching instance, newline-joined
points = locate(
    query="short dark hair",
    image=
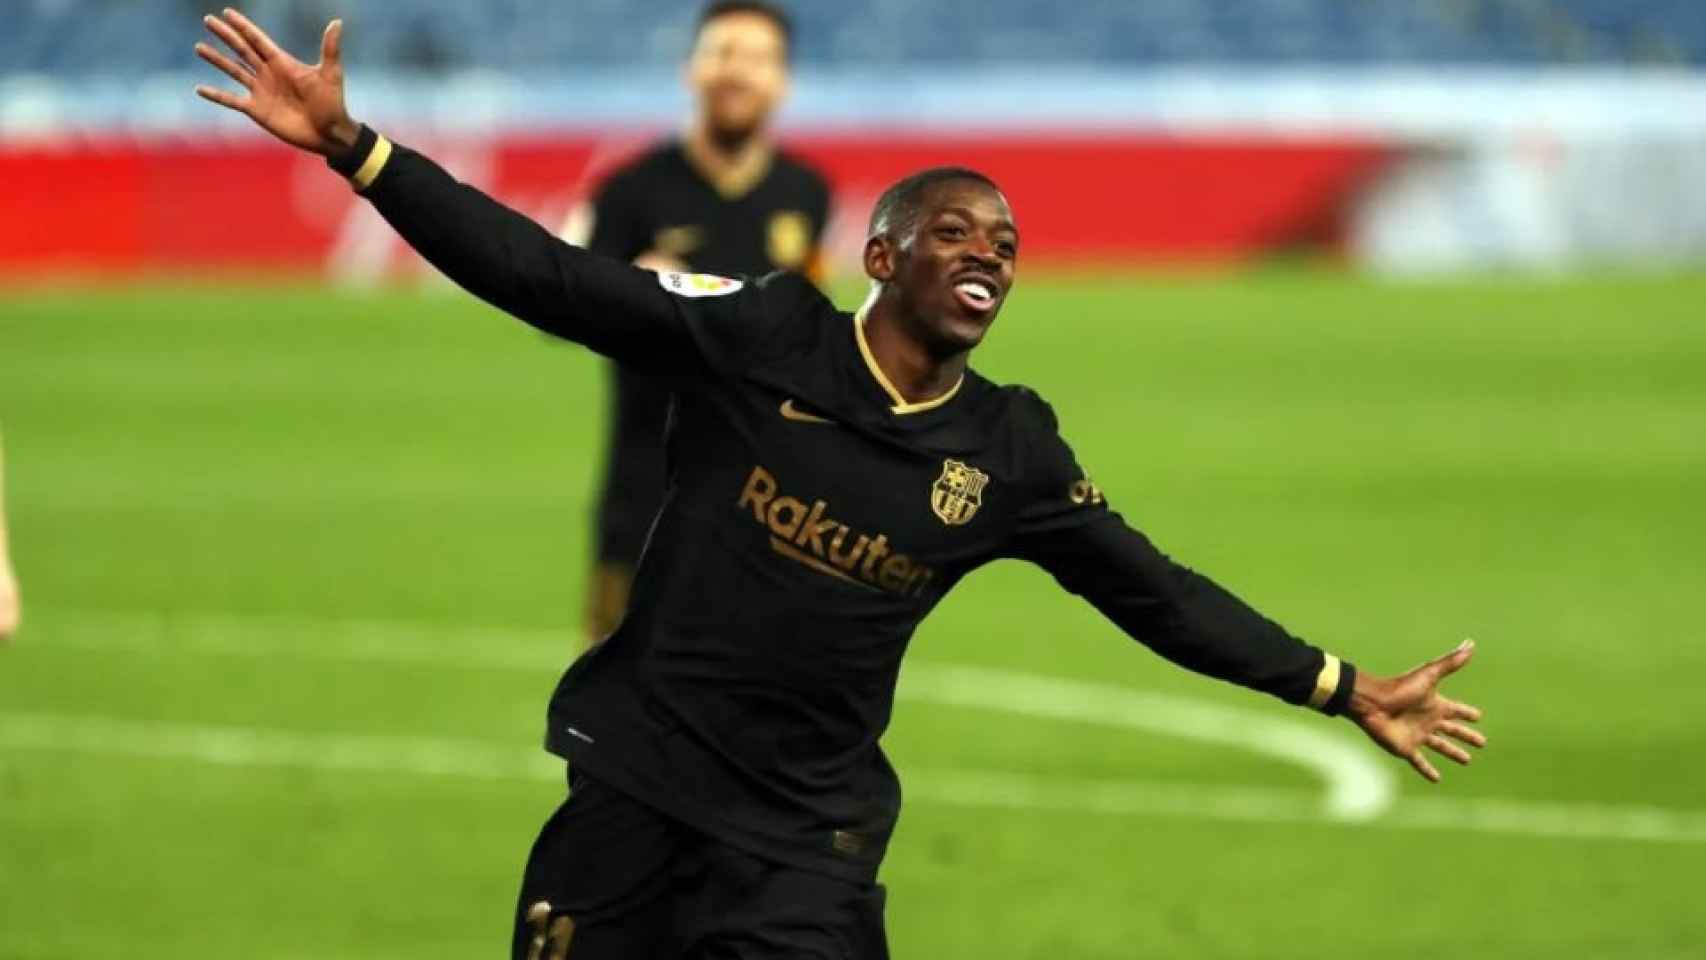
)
(769, 11)
(898, 208)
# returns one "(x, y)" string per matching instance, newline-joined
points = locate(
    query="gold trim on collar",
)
(900, 404)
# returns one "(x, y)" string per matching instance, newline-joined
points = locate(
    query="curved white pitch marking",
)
(1359, 786)
(59, 734)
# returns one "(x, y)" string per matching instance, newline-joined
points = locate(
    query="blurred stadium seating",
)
(1424, 135)
(137, 36)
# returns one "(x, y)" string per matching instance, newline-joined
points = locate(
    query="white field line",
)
(533, 649)
(479, 760)
(1359, 783)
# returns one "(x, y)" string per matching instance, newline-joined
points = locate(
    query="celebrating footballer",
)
(830, 478)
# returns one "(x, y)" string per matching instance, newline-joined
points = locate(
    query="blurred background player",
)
(9, 611)
(720, 199)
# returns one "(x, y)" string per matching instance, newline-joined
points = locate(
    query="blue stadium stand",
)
(133, 37)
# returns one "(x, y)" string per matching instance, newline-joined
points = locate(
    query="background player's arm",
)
(1192, 621)
(495, 253)
(9, 605)
(659, 262)
(618, 228)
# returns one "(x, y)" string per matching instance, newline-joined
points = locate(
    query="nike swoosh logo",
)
(791, 412)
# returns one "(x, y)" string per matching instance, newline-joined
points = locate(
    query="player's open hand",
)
(1405, 714)
(300, 104)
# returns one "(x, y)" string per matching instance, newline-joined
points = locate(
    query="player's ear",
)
(879, 259)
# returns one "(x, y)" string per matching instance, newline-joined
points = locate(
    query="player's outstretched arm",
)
(492, 251)
(1197, 624)
(1068, 530)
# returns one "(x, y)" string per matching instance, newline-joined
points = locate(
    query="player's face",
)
(960, 265)
(738, 73)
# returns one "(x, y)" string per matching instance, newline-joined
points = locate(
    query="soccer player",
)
(831, 477)
(721, 200)
(9, 609)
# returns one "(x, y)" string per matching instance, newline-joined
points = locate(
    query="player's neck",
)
(907, 362)
(733, 166)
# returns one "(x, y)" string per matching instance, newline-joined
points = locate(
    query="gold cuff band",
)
(374, 163)
(1326, 682)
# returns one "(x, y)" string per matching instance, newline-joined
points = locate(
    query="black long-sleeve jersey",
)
(811, 519)
(660, 202)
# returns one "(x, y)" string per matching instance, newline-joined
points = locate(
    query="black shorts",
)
(640, 886)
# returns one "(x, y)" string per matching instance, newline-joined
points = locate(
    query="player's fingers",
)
(231, 38)
(557, 939)
(1444, 747)
(1463, 711)
(1422, 766)
(224, 98)
(1454, 661)
(1467, 734)
(258, 39)
(225, 65)
(331, 44)
(538, 918)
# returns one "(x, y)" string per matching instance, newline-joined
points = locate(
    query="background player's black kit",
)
(661, 203)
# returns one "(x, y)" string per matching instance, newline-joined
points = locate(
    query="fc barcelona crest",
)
(958, 492)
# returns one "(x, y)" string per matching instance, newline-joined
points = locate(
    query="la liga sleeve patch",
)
(697, 284)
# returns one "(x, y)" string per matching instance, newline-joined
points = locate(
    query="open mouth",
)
(975, 294)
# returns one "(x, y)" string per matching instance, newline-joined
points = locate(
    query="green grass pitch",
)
(300, 566)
